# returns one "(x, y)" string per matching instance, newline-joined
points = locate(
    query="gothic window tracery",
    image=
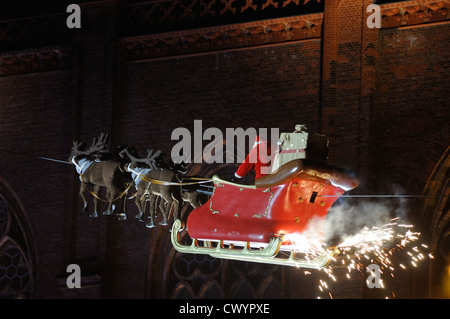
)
(205, 277)
(16, 269)
(194, 276)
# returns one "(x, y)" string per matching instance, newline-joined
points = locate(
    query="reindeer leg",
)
(141, 200)
(124, 205)
(82, 190)
(145, 194)
(110, 195)
(165, 208)
(177, 200)
(96, 192)
(144, 206)
(138, 201)
(120, 209)
(176, 207)
(153, 199)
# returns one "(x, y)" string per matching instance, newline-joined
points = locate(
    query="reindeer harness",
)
(138, 174)
(82, 165)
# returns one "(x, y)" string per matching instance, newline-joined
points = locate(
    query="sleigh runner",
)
(264, 222)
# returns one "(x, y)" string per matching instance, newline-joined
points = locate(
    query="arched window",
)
(16, 249)
(436, 223)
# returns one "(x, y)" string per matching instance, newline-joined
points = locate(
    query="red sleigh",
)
(258, 222)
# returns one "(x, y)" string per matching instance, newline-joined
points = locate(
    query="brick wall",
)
(346, 97)
(410, 118)
(271, 86)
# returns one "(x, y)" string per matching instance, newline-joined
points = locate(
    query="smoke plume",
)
(351, 215)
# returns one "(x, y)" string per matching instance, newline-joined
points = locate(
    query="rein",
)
(120, 196)
(199, 180)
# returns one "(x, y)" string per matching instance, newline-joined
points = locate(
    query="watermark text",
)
(74, 279)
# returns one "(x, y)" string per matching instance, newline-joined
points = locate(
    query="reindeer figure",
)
(193, 198)
(98, 167)
(154, 180)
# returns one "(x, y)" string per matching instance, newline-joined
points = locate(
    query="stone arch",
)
(435, 221)
(18, 258)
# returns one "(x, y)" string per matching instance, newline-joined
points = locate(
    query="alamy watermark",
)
(374, 19)
(231, 147)
(74, 279)
(73, 21)
(374, 279)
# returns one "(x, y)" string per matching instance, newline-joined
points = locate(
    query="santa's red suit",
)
(258, 159)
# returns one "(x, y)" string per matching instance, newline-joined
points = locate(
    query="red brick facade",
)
(380, 95)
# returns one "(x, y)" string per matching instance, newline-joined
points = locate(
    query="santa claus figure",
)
(258, 159)
(292, 146)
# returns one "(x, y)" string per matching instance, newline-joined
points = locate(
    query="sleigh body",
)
(263, 219)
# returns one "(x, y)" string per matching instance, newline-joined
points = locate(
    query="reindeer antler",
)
(77, 148)
(98, 148)
(99, 145)
(150, 160)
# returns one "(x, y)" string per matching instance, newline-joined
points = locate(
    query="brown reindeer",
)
(153, 181)
(98, 167)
